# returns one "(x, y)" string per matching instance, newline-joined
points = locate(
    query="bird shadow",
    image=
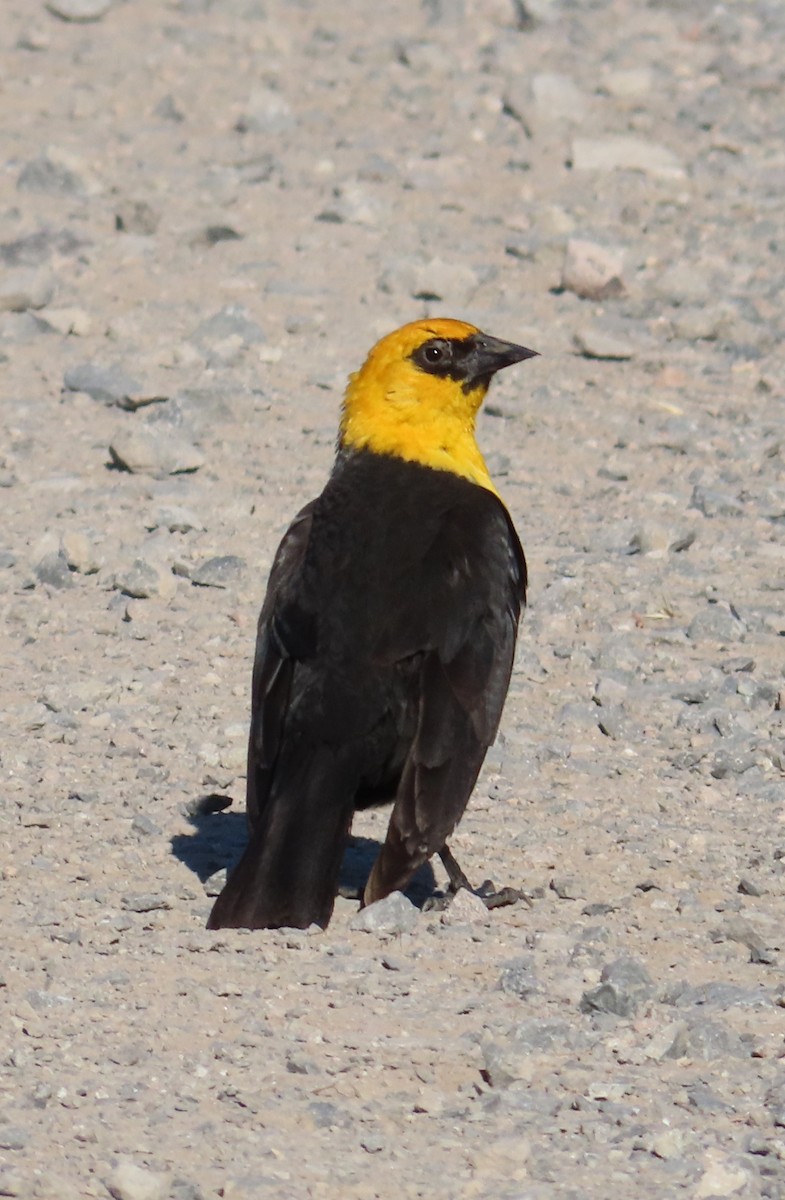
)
(219, 839)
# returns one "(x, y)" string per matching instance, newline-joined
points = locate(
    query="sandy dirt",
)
(210, 210)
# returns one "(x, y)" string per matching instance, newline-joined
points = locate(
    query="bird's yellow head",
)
(418, 393)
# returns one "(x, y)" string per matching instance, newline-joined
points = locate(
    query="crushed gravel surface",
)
(210, 210)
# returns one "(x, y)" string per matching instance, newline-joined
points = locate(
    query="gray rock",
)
(625, 153)
(54, 571)
(510, 1059)
(75, 547)
(451, 282)
(36, 248)
(24, 288)
(137, 216)
(215, 883)
(683, 283)
(716, 994)
(13, 1137)
(518, 977)
(175, 518)
(79, 10)
(714, 503)
(707, 1040)
(700, 324)
(155, 451)
(144, 579)
(595, 342)
(731, 760)
(354, 203)
(232, 322)
(130, 1182)
(49, 178)
(220, 572)
(394, 914)
(614, 722)
(144, 826)
(629, 83)
(266, 111)
(109, 384)
(557, 98)
(142, 902)
(183, 1189)
(592, 271)
(465, 909)
(624, 986)
(198, 408)
(715, 623)
(704, 1099)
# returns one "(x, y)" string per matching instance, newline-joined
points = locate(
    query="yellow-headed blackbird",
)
(386, 639)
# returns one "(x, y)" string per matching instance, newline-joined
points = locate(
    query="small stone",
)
(556, 97)
(50, 177)
(158, 452)
(624, 986)
(232, 321)
(109, 385)
(465, 909)
(668, 1144)
(54, 571)
(266, 111)
(215, 883)
(715, 623)
(130, 1182)
(144, 826)
(219, 572)
(625, 153)
(77, 551)
(683, 283)
(715, 504)
(452, 283)
(137, 216)
(518, 978)
(24, 288)
(144, 579)
(628, 84)
(749, 887)
(142, 902)
(722, 1177)
(175, 518)
(79, 10)
(13, 1137)
(592, 271)
(68, 321)
(699, 324)
(594, 342)
(393, 914)
(568, 887)
(515, 1057)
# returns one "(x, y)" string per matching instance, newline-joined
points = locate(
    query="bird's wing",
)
(285, 633)
(466, 615)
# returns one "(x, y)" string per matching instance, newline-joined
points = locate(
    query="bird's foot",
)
(493, 897)
(487, 892)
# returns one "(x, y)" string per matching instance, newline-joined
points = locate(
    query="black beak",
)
(489, 355)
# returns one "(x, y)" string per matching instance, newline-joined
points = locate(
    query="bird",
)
(385, 641)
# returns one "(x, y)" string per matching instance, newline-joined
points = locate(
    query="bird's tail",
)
(288, 874)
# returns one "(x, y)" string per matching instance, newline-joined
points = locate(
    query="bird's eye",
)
(434, 354)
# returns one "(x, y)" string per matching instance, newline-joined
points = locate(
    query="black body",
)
(383, 657)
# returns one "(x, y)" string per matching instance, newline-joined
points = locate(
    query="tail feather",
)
(288, 874)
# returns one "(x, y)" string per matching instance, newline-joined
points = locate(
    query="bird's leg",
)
(487, 892)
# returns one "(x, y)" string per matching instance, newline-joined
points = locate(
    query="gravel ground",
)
(210, 210)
